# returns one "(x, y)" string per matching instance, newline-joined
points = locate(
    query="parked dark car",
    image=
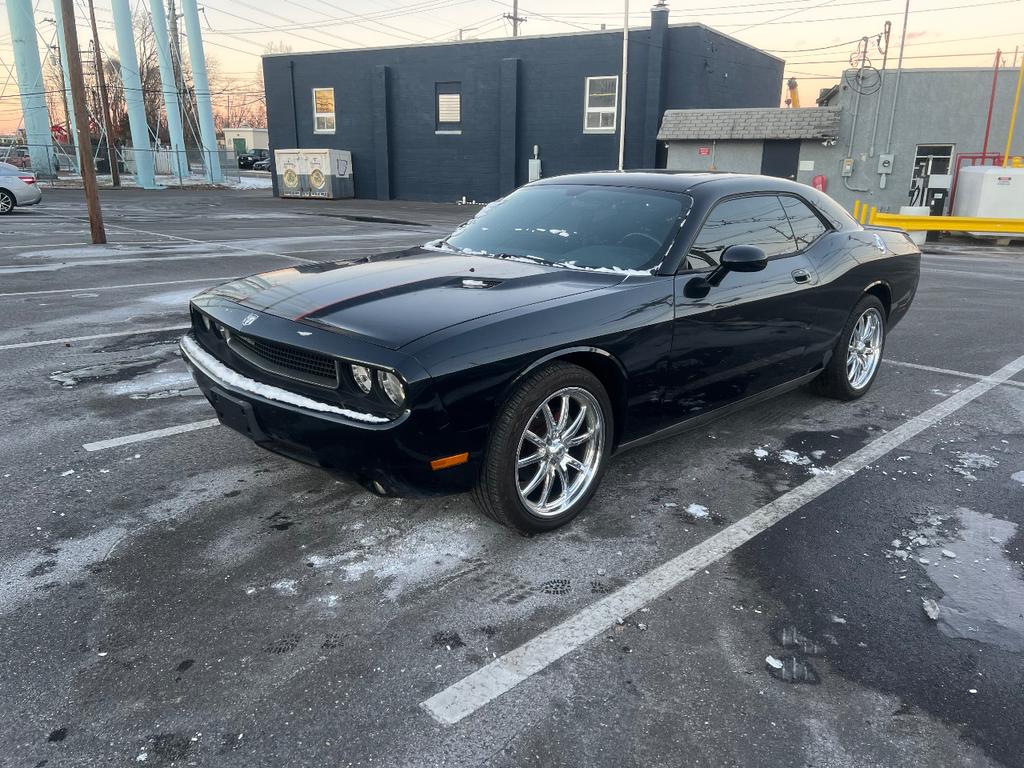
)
(575, 318)
(252, 156)
(262, 165)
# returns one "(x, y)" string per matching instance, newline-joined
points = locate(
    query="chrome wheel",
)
(560, 452)
(6, 203)
(865, 348)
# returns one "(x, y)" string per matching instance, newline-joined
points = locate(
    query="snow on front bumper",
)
(225, 377)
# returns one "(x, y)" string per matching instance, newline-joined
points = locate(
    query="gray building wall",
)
(936, 106)
(734, 156)
(946, 106)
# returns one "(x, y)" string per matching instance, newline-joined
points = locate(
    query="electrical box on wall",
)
(533, 169)
(847, 168)
(885, 163)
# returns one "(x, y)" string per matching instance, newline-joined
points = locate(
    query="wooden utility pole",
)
(92, 198)
(108, 127)
(514, 17)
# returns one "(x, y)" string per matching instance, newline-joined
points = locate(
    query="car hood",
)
(395, 299)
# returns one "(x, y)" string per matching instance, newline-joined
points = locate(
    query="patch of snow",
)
(931, 608)
(67, 472)
(697, 511)
(250, 182)
(792, 457)
(244, 383)
(772, 662)
(407, 559)
(613, 270)
(285, 587)
(760, 453)
(1018, 476)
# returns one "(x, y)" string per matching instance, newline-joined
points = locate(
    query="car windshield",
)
(589, 227)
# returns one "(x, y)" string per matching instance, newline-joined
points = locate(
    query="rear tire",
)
(857, 356)
(548, 450)
(6, 202)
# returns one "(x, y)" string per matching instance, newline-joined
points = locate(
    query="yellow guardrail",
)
(869, 215)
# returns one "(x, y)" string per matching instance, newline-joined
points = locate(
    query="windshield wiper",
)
(519, 256)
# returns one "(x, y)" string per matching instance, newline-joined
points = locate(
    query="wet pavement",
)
(187, 599)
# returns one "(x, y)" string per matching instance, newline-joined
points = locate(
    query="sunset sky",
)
(814, 36)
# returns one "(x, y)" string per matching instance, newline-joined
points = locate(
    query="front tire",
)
(857, 356)
(547, 451)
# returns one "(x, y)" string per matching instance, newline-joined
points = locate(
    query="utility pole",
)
(514, 17)
(74, 60)
(108, 127)
(184, 102)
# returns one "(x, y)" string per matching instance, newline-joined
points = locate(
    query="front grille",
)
(291, 362)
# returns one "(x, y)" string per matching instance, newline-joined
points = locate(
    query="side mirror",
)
(744, 258)
(735, 258)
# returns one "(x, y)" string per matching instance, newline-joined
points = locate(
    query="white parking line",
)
(152, 434)
(1015, 278)
(491, 681)
(951, 372)
(70, 339)
(126, 285)
(180, 238)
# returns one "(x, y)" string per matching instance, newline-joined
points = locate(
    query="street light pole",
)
(108, 127)
(625, 76)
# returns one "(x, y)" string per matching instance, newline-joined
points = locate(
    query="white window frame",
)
(317, 115)
(588, 110)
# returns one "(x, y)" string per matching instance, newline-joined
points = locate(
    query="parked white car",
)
(17, 187)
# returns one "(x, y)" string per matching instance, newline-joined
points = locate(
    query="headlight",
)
(362, 377)
(392, 386)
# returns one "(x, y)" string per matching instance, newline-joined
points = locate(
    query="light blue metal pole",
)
(30, 86)
(62, 44)
(142, 147)
(170, 88)
(197, 57)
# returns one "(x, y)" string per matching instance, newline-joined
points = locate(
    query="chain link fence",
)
(172, 168)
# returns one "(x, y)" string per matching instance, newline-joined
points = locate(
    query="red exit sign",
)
(704, 151)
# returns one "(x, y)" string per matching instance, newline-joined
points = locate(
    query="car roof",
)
(7, 169)
(714, 182)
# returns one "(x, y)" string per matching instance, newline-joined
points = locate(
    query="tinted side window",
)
(758, 220)
(806, 226)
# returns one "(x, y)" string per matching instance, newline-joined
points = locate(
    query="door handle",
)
(801, 276)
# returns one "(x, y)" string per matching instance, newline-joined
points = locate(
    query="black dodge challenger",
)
(579, 316)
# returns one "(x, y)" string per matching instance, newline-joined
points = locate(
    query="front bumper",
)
(386, 455)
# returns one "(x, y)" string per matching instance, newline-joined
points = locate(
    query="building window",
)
(448, 102)
(602, 98)
(323, 110)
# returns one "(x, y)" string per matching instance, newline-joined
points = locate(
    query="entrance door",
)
(780, 158)
(239, 146)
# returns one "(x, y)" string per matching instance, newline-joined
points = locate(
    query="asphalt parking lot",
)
(172, 595)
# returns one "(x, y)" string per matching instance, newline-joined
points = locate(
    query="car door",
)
(749, 333)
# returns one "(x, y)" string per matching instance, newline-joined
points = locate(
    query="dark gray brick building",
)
(439, 122)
